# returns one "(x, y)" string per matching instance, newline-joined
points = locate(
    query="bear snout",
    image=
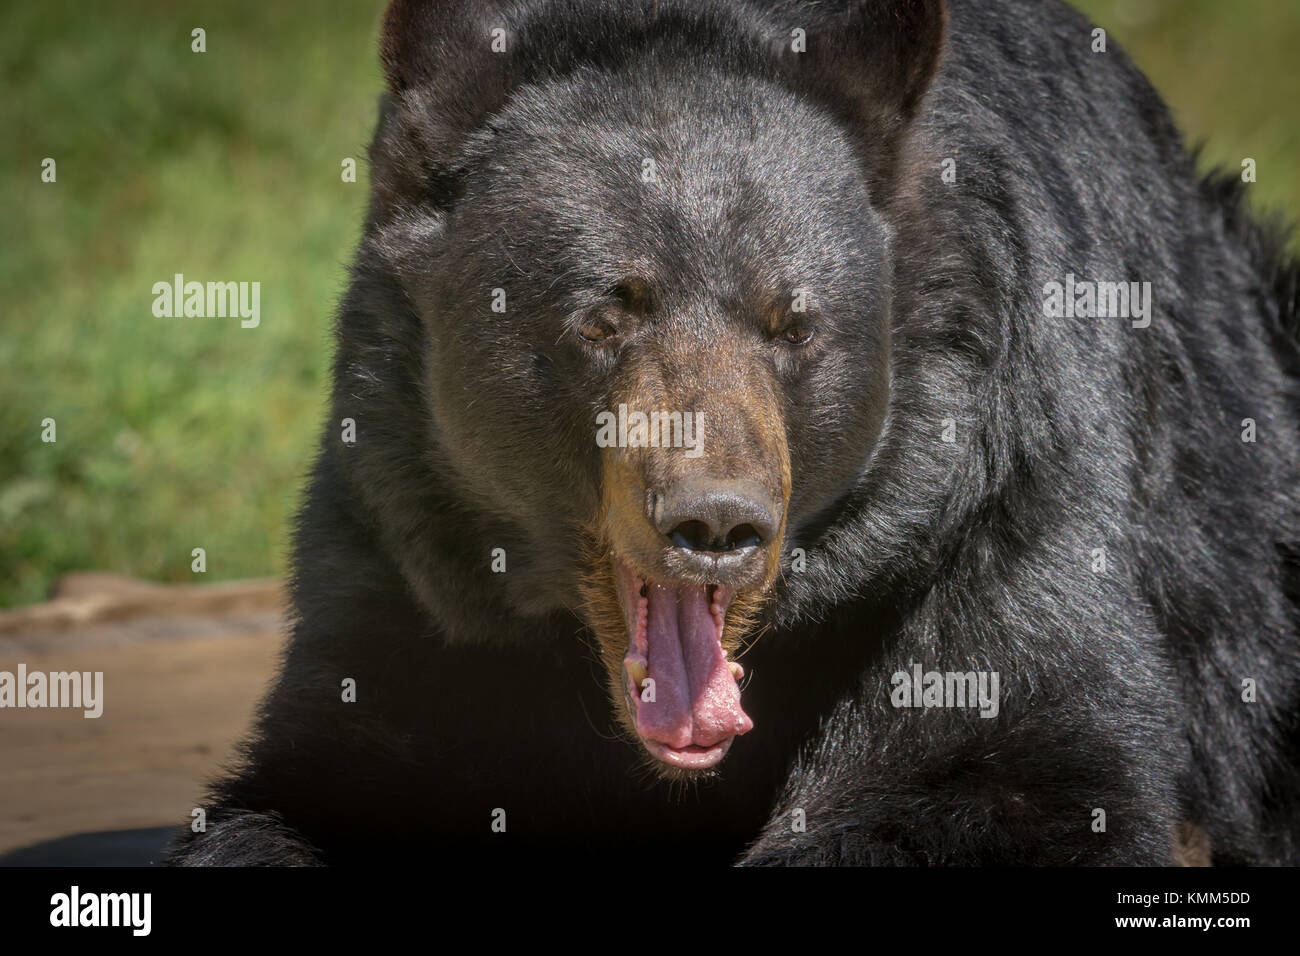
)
(719, 528)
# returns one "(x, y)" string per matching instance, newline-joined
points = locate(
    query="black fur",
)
(1121, 690)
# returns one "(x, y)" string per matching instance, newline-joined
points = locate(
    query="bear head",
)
(645, 246)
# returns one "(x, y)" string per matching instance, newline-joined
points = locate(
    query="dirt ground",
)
(183, 670)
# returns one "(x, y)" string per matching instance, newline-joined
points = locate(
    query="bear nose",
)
(709, 515)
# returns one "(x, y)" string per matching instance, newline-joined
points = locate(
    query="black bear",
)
(775, 431)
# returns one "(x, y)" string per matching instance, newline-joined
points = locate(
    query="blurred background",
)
(173, 433)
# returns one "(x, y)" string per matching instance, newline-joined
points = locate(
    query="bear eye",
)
(797, 335)
(596, 329)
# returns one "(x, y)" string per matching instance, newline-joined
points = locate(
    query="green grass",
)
(225, 165)
(183, 433)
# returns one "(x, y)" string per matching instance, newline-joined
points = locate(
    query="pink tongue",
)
(696, 700)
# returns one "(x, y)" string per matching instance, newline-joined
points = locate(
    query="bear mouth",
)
(682, 692)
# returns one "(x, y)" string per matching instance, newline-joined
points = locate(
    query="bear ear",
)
(449, 64)
(435, 41)
(870, 62)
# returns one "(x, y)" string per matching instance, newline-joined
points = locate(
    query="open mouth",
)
(681, 689)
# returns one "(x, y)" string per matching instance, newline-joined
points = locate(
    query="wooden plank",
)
(173, 711)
